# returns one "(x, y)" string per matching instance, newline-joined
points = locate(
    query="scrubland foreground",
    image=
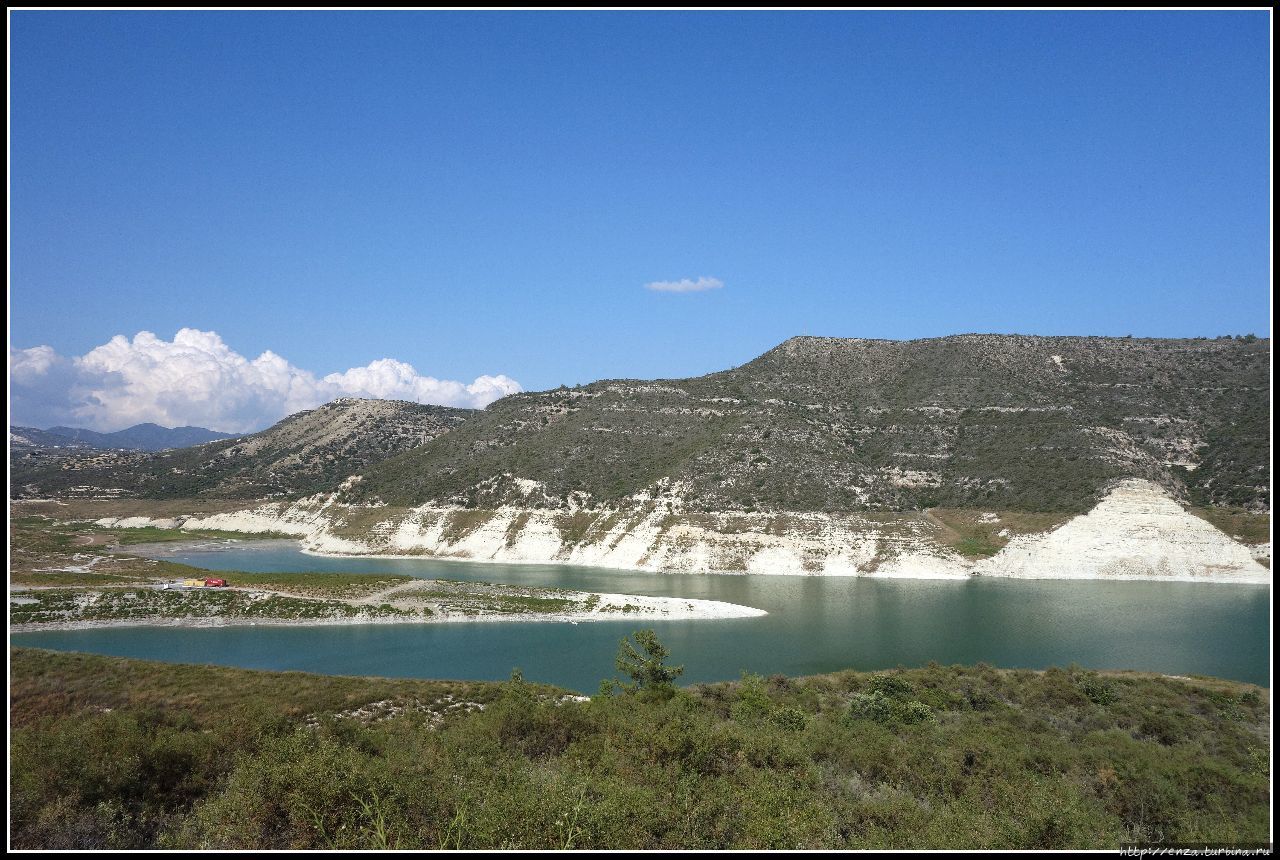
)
(119, 753)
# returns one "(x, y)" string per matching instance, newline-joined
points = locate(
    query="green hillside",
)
(306, 453)
(827, 424)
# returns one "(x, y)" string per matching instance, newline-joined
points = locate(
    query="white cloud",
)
(197, 379)
(686, 285)
(395, 380)
(27, 364)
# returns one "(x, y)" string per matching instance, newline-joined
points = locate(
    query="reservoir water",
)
(815, 624)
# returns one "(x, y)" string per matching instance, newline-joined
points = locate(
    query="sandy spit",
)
(647, 609)
(566, 618)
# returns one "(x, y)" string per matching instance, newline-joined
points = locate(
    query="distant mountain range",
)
(140, 437)
(305, 453)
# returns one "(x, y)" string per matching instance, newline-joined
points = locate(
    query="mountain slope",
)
(302, 454)
(829, 424)
(22, 438)
(143, 437)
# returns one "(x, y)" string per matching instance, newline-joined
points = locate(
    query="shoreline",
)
(603, 607)
(171, 548)
(1137, 531)
(908, 573)
(455, 618)
(161, 621)
(938, 577)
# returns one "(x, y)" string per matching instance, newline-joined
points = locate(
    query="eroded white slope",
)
(1136, 532)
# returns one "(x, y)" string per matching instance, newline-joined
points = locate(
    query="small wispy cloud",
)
(687, 285)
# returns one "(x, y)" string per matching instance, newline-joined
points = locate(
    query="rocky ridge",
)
(835, 425)
(307, 452)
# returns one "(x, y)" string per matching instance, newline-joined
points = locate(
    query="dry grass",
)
(459, 524)
(978, 534)
(93, 509)
(1244, 526)
(340, 586)
(357, 522)
(53, 683)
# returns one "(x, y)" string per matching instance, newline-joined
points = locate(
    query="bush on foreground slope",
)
(115, 753)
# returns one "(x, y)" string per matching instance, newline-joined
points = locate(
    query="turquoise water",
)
(815, 624)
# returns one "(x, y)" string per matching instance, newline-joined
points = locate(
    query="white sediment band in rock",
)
(1136, 532)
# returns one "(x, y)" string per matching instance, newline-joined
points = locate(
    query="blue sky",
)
(488, 193)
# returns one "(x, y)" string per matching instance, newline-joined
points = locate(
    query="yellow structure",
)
(193, 583)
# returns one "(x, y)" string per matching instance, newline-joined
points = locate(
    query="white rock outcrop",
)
(1136, 532)
(138, 522)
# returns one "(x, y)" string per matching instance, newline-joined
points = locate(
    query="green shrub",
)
(878, 707)
(979, 699)
(892, 686)
(913, 711)
(1097, 690)
(873, 706)
(645, 665)
(790, 719)
(194, 757)
(753, 702)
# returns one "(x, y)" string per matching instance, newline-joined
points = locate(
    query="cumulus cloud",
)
(395, 380)
(197, 379)
(686, 285)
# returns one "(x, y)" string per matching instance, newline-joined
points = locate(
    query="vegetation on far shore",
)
(65, 575)
(979, 534)
(315, 597)
(149, 605)
(1250, 527)
(118, 753)
(153, 534)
